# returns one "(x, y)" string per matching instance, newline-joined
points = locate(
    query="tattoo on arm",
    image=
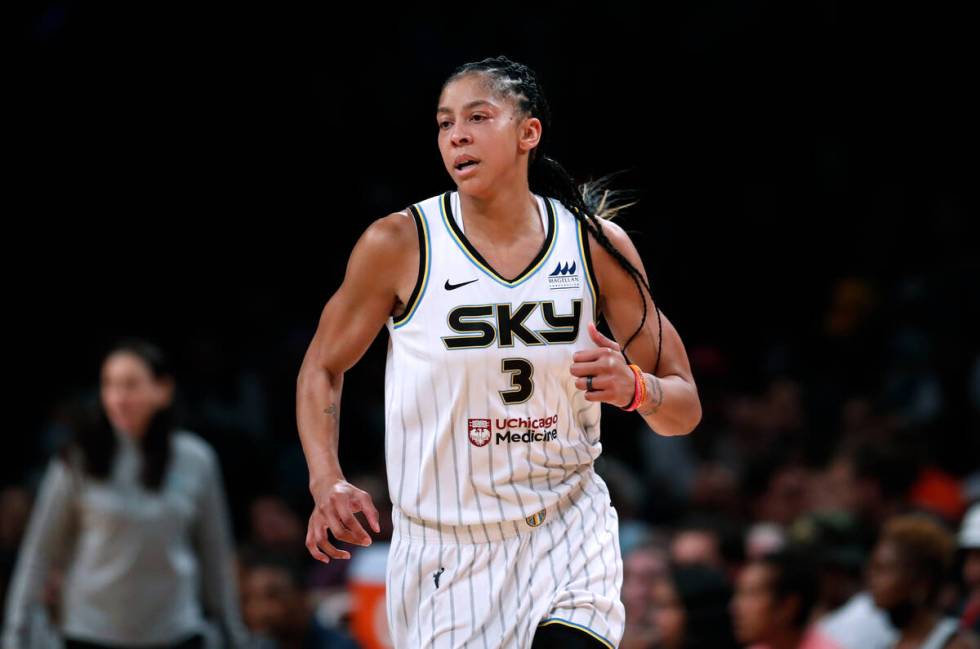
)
(655, 396)
(332, 411)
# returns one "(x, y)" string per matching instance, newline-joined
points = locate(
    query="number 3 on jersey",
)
(521, 372)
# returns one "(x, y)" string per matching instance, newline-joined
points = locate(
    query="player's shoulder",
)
(398, 232)
(619, 238)
(391, 229)
(613, 231)
(387, 239)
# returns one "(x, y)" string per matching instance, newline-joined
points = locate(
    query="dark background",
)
(199, 176)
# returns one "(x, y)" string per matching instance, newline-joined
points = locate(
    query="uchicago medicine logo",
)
(478, 431)
(541, 429)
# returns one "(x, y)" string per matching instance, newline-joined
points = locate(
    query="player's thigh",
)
(589, 597)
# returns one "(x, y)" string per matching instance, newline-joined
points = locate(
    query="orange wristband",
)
(639, 389)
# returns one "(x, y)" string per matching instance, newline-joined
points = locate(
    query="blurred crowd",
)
(829, 498)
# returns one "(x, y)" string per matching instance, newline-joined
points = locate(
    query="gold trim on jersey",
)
(425, 261)
(586, 256)
(445, 206)
(580, 627)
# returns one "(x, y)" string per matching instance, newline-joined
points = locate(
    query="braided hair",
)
(590, 201)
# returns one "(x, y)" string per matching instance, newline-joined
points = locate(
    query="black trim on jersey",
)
(589, 268)
(423, 252)
(549, 237)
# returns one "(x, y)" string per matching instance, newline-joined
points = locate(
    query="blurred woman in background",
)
(133, 510)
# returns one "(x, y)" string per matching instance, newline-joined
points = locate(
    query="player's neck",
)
(506, 216)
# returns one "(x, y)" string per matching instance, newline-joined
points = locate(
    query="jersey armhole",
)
(423, 277)
(590, 276)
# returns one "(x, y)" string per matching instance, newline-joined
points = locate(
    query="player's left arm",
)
(672, 405)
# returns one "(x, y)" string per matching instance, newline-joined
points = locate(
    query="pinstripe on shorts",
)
(490, 585)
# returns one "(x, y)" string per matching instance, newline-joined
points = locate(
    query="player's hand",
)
(335, 504)
(613, 381)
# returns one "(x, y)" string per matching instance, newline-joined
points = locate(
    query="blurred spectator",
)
(870, 480)
(691, 609)
(912, 388)
(969, 541)
(858, 624)
(135, 512)
(707, 540)
(838, 547)
(275, 527)
(907, 571)
(786, 496)
(277, 606)
(643, 567)
(774, 598)
(971, 487)
(938, 492)
(764, 538)
(694, 546)
(627, 491)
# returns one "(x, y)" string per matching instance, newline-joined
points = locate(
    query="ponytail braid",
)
(551, 179)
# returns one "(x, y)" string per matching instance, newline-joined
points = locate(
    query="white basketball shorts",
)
(490, 586)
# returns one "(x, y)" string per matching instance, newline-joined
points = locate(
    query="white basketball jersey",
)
(483, 421)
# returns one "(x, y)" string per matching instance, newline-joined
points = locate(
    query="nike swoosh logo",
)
(450, 287)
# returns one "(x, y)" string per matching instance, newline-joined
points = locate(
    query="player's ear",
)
(530, 133)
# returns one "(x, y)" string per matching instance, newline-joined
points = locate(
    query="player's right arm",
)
(350, 321)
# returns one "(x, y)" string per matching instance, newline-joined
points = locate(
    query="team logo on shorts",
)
(563, 276)
(478, 431)
(536, 519)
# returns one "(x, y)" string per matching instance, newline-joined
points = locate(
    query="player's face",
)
(130, 393)
(476, 124)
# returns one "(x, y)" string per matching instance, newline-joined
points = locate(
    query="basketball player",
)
(504, 535)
